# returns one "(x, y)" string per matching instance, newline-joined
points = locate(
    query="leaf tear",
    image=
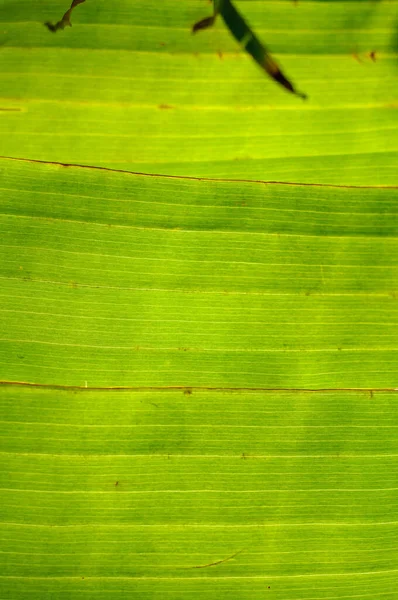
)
(217, 562)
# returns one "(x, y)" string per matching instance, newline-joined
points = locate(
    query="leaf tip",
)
(60, 25)
(51, 27)
(203, 24)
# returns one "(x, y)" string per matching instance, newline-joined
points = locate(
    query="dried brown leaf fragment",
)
(65, 21)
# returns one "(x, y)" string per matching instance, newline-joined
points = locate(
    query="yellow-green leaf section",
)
(118, 279)
(128, 87)
(198, 377)
(250, 329)
(211, 495)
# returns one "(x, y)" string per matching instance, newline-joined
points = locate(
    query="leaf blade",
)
(93, 248)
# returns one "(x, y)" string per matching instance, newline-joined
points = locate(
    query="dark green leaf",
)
(250, 42)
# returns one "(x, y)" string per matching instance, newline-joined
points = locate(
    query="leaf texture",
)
(198, 364)
(130, 88)
(219, 494)
(207, 283)
(198, 387)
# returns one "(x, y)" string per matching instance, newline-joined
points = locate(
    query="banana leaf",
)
(198, 299)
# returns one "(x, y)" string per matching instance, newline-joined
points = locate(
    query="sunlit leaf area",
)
(198, 300)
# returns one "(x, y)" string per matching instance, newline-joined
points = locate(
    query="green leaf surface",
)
(219, 494)
(197, 480)
(129, 87)
(198, 369)
(122, 279)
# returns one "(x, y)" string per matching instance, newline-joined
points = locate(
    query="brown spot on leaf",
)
(165, 106)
